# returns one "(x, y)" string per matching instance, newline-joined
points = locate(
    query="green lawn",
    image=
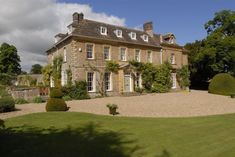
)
(70, 134)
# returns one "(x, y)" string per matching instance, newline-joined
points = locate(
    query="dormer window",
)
(145, 38)
(133, 35)
(118, 33)
(103, 30)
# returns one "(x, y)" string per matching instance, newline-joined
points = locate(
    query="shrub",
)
(38, 99)
(139, 90)
(21, 101)
(3, 91)
(183, 75)
(112, 108)
(56, 93)
(77, 91)
(223, 84)
(7, 104)
(2, 125)
(56, 104)
(67, 98)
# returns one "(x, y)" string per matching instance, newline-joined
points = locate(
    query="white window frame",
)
(103, 30)
(139, 56)
(93, 81)
(93, 48)
(65, 55)
(133, 35)
(64, 77)
(110, 82)
(174, 81)
(118, 33)
(149, 58)
(145, 38)
(120, 54)
(172, 59)
(138, 80)
(52, 82)
(109, 55)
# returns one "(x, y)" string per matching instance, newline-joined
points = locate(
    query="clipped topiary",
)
(55, 102)
(56, 93)
(223, 84)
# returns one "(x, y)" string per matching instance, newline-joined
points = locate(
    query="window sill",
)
(91, 91)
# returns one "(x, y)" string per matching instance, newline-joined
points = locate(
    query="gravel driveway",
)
(180, 104)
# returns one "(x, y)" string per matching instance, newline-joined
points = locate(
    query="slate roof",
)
(91, 29)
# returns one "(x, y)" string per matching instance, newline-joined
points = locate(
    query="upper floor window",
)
(118, 33)
(89, 51)
(107, 53)
(145, 38)
(133, 35)
(149, 56)
(103, 30)
(123, 54)
(137, 55)
(172, 59)
(65, 55)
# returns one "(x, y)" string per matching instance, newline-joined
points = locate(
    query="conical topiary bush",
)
(55, 102)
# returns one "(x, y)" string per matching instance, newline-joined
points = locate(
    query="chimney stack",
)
(148, 28)
(77, 17)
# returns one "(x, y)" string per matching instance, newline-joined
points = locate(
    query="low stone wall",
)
(26, 93)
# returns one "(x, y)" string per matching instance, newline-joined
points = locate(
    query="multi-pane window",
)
(123, 54)
(107, 80)
(133, 35)
(89, 51)
(172, 59)
(173, 78)
(137, 80)
(137, 55)
(149, 56)
(64, 77)
(103, 30)
(90, 81)
(65, 55)
(145, 38)
(119, 33)
(107, 53)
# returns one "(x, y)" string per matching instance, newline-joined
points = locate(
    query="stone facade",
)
(74, 49)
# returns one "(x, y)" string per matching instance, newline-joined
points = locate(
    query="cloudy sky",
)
(30, 25)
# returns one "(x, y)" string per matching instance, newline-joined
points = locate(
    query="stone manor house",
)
(90, 43)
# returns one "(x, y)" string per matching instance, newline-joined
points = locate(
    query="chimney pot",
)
(148, 28)
(77, 17)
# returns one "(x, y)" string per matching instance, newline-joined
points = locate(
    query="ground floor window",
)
(173, 78)
(107, 80)
(64, 77)
(90, 81)
(52, 83)
(137, 80)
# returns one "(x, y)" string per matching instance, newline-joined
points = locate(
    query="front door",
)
(127, 81)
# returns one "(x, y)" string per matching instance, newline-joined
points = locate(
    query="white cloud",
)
(30, 25)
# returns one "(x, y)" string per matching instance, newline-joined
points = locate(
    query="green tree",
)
(47, 73)
(9, 60)
(36, 69)
(216, 53)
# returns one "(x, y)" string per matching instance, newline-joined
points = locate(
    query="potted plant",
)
(112, 108)
(232, 95)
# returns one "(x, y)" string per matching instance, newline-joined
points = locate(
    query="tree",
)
(36, 69)
(9, 60)
(216, 53)
(47, 72)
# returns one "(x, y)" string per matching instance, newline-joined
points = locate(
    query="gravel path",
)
(180, 104)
